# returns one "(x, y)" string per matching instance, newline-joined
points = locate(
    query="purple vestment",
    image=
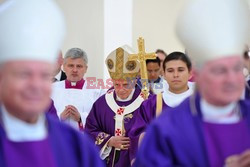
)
(100, 124)
(52, 110)
(176, 137)
(39, 153)
(64, 147)
(148, 108)
(224, 140)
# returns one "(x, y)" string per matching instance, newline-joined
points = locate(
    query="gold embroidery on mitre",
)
(119, 74)
(130, 65)
(110, 64)
(101, 137)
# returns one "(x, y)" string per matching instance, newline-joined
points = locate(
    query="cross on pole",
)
(142, 56)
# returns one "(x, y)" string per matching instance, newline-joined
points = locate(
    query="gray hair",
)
(75, 53)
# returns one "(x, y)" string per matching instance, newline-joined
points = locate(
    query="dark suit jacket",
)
(63, 76)
(247, 93)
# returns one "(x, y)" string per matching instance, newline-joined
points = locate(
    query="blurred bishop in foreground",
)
(32, 32)
(210, 128)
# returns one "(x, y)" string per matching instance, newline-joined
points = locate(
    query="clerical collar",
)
(58, 76)
(173, 99)
(18, 130)
(128, 98)
(74, 85)
(214, 114)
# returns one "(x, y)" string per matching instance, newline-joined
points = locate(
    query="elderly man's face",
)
(75, 69)
(221, 81)
(123, 88)
(25, 86)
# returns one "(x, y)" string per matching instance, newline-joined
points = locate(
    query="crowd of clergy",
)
(188, 109)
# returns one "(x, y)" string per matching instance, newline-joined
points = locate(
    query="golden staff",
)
(142, 56)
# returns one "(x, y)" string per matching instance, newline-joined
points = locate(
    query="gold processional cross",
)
(142, 56)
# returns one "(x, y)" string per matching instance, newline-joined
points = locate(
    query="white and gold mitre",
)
(118, 65)
(31, 30)
(211, 29)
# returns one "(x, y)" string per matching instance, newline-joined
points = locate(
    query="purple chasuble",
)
(52, 110)
(64, 147)
(148, 108)
(39, 153)
(79, 84)
(147, 113)
(177, 137)
(100, 124)
(224, 140)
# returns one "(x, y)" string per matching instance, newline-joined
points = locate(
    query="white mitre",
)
(119, 66)
(211, 29)
(30, 30)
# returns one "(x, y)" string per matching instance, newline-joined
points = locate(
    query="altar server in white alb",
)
(72, 98)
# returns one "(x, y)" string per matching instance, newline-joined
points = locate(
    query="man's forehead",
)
(176, 66)
(225, 60)
(24, 64)
(120, 81)
(75, 60)
(175, 63)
